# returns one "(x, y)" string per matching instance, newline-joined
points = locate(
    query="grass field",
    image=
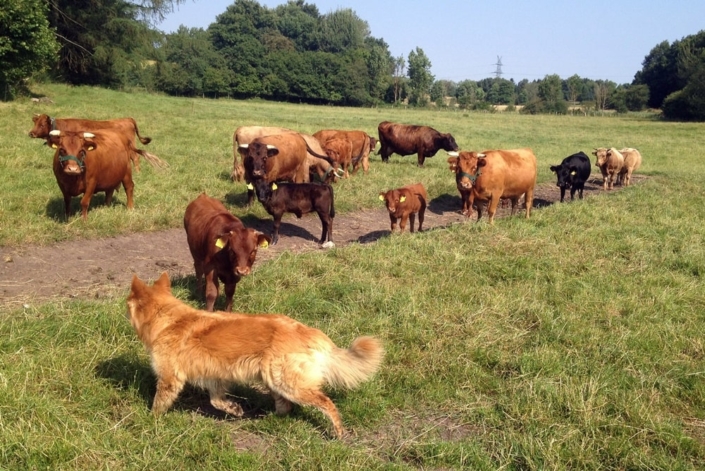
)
(573, 340)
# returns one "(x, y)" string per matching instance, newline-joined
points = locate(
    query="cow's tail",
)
(324, 157)
(144, 140)
(357, 158)
(153, 160)
(348, 368)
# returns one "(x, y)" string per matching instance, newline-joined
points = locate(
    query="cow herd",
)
(279, 166)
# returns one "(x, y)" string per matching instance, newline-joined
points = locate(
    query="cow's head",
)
(448, 143)
(565, 174)
(373, 143)
(241, 245)
(393, 199)
(42, 126)
(71, 148)
(601, 154)
(257, 153)
(467, 167)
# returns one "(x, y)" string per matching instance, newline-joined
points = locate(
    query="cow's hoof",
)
(328, 245)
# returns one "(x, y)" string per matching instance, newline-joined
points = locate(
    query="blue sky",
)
(597, 39)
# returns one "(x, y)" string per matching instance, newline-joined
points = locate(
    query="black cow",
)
(299, 199)
(405, 139)
(573, 172)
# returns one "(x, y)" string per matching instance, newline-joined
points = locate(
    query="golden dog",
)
(214, 349)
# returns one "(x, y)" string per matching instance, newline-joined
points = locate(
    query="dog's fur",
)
(215, 349)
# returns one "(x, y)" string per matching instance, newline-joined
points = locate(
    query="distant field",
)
(573, 340)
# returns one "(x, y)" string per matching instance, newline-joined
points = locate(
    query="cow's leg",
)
(325, 224)
(492, 208)
(572, 192)
(393, 220)
(515, 202)
(421, 158)
(277, 223)
(529, 201)
(129, 187)
(109, 196)
(563, 194)
(211, 289)
(229, 293)
(422, 212)
(67, 205)
(412, 219)
(580, 191)
(86, 200)
(628, 178)
(200, 285)
(402, 222)
(384, 152)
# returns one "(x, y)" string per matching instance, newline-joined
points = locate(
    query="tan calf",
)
(404, 203)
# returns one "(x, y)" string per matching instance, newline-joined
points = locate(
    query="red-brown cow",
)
(404, 203)
(44, 124)
(316, 157)
(340, 151)
(610, 162)
(221, 246)
(406, 139)
(362, 144)
(495, 174)
(91, 162)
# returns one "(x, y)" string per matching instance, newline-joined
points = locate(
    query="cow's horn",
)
(244, 146)
(481, 156)
(55, 132)
(88, 135)
(271, 147)
(453, 153)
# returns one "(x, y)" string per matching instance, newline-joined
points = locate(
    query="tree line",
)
(292, 52)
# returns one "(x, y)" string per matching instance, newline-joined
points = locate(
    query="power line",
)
(498, 71)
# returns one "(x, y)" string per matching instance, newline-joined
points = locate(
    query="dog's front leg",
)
(167, 392)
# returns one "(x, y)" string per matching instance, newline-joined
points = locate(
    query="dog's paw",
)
(232, 408)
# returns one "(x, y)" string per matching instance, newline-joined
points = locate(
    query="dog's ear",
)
(138, 286)
(163, 282)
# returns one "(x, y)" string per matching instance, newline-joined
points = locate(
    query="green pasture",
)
(573, 340)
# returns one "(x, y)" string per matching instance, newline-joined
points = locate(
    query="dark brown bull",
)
(44, 124)
(406, 139)
(221, 246)
(86, 163)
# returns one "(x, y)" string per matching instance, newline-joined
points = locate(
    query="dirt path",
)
(104, 267)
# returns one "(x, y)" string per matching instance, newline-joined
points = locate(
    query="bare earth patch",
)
(104, 267)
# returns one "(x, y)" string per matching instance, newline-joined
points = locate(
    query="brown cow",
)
(495, 174)
(316, 157)
(339, 149)
(404, 203)
(362, 144)
(610, 162)
(221, 246)
(91, 162)
(405, 139)
(632, 162)
(44, 124)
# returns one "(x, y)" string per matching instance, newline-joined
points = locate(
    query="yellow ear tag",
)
(250, 187)
(54, 146)
(573, 172)
(91, 147)
(264, 244)
(220, 243)
(402, 199)
(274, 186)
(381, 198)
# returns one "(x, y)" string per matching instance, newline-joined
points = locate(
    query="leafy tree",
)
(27, 44)
(551, 93)
(660, 73)
(636, 97)
(398, 65)
(420, 77)
(574, 87)
(342, 30)
(689, 103)
(603, 89)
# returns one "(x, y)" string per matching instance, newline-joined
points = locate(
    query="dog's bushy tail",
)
(348, 368)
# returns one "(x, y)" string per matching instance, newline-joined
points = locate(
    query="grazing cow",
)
(632, 162)
(495, 174)
(299, 199)
(404, 203)
(572, 173)
(362, 144)
(610, 161)
(44, 124)
(221, 246)
(316, 157)
(339, 150)
(405, 139)
(91, 162)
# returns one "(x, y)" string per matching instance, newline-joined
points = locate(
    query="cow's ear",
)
(452, 163)
(272, 151)
(554, 168)
(481, 162)
(90, 145)
(222, 240)
(381, 196)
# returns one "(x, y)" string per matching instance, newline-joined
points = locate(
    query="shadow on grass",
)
(55, 207)
(445, 204)
(237, 198)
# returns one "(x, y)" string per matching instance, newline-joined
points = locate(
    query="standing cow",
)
(86, 163)
(221, 246)
(572, 173)
(495, 174)
(361, 145)
(406, 139)
(404, 203)
(632, 162)
(610, 162)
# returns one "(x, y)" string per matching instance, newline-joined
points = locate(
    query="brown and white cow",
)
(44, 124)
(316, 157)
(221, 246)
(610, 162)
(632, 162)
(404, 203)
(406, 139)
(493, 175)
(362, 144)
(86, 163)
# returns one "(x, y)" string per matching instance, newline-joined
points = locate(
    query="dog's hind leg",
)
(323, 403)
(168, 390)
(217, 390)
(281, 405)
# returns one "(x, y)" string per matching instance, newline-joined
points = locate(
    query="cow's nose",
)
(243, 271)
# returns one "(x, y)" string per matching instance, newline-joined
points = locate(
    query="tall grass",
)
(573, 340)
